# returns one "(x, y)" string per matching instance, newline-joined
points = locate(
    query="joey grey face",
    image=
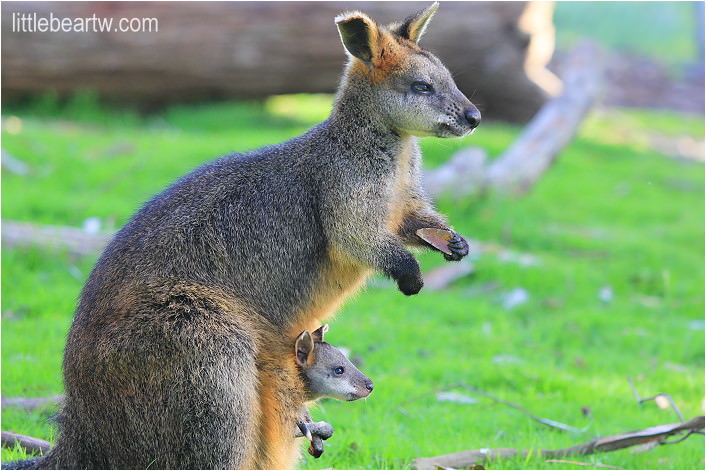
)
(413, 91)
(326, 370)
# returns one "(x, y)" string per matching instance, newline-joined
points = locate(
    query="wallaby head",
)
(411, 91)
(326, 370)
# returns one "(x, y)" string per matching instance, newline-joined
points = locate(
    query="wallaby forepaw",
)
(458, 247)
(316, 447)
(303, 430)
(324, 430)
(320, 431)
(410, 285)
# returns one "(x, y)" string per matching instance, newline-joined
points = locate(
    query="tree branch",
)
(541, 142)
(464, 459)
(30, 444)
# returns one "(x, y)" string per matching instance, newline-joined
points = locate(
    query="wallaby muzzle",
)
(362, 390)
(472, 116)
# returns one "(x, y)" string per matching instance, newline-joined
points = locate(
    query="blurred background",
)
(582, 194)
(499, 51)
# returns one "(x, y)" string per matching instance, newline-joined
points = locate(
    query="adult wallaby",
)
(176, 357)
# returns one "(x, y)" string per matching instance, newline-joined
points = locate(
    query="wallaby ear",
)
(413, 27)
(319, 333)
(304, 349)
(359, 34)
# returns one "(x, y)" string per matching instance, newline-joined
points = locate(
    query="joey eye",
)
(422, 88)
(339, 370)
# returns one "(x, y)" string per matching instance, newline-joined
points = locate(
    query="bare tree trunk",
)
(497, 50)
(518, 168)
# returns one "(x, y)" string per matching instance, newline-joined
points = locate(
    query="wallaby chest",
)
(399, 187)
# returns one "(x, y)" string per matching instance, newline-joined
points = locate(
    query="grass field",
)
(612, 215)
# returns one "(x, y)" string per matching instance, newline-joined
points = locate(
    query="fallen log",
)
(462, 175)
(30, 444)
(658, 434)
(190, 51)
(556, 124)
(442, 277)
(31, 403)
(76, 241)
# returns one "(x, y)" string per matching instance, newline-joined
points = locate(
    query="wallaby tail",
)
(30, 463)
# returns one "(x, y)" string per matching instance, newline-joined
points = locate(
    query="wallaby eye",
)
(338, 370)
(422, 87)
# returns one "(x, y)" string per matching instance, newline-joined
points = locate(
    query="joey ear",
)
(359, 34)
(304, 349)
(319, 333)
(413, 27)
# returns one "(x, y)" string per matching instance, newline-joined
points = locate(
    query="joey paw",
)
(316, 447)
(303, 430)
(458, 247)
(324, 430)
(320, 431)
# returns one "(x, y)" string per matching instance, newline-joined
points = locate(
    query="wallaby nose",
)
(472, 115)
(369, 386)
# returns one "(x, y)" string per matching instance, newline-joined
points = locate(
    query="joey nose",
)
(472, 116)
(369, 386)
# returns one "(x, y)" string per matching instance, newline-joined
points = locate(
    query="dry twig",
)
(656, 397)
(541, 420)
(30, 444)
(659, 433)
(579, 463)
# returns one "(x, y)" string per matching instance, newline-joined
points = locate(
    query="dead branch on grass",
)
(658, 398)
(30, 444)
(75, 240)
(31, 403)
(474, 390)
(579, 463)
(658, 434)
(541, 420)
(519, 168)
(442, 277)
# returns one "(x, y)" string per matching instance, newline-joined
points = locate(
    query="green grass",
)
(611, 212)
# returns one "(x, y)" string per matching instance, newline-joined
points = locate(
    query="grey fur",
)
(177, 324)
(327, 372)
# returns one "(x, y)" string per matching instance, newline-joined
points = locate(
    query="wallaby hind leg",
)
(171, 385)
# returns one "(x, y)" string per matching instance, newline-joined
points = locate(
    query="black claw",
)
(316, 448)
(458, 247)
